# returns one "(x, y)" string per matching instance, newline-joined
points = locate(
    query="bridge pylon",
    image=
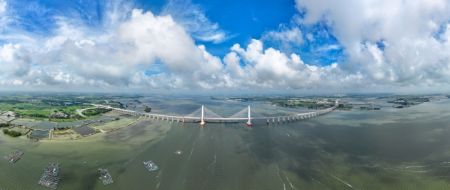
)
(202, 118)
(249, 121)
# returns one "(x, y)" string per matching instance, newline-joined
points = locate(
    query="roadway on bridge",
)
(203, 119)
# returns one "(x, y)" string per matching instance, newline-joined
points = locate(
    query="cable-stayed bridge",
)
(203, 115)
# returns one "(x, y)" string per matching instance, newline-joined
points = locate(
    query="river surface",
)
(387, 149)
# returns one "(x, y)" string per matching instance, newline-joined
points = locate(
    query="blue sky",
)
(290, 45)
(241, 20)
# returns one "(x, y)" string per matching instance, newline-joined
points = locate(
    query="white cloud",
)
(412, 54)
(117, 55)
(271, 68)
(3, 14)
(14, 61)
(286, 36)
(79, 55)
(3, 5)
(194, 20)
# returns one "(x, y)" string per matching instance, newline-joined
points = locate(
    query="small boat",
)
(150, 165)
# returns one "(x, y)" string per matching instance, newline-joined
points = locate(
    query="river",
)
(386, 149)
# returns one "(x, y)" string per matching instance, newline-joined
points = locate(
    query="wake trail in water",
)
(289, 181)
(192, 150)
(213, 162)
(281, 179)
(342, 181)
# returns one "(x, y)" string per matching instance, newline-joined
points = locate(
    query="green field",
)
(40, 110)
(95, 111)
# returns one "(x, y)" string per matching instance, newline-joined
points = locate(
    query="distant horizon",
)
(221, 94)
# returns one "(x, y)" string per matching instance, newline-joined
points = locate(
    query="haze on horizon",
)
(310, 46)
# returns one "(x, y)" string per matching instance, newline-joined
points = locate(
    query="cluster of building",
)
(6, 117)
(59, 115)
(408, 101)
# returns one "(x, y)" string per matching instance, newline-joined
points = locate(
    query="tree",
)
(147, 109)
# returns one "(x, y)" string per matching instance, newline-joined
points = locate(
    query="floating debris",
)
(14, 156)
(150, 165)
(105, 176)
(179, 152)
(50, 177)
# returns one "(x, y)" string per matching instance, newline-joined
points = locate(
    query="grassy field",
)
(40, 110)
(55, 107)
(95, 111)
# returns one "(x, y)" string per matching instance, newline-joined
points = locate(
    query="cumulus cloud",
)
(389, 42)
(271, 68)
(79, 55)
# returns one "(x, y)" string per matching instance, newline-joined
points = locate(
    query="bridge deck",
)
(273, 119)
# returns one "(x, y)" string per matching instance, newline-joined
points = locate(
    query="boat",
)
(150, 165)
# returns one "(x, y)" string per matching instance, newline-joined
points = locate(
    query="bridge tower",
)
(202, 118)
(249, 122)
